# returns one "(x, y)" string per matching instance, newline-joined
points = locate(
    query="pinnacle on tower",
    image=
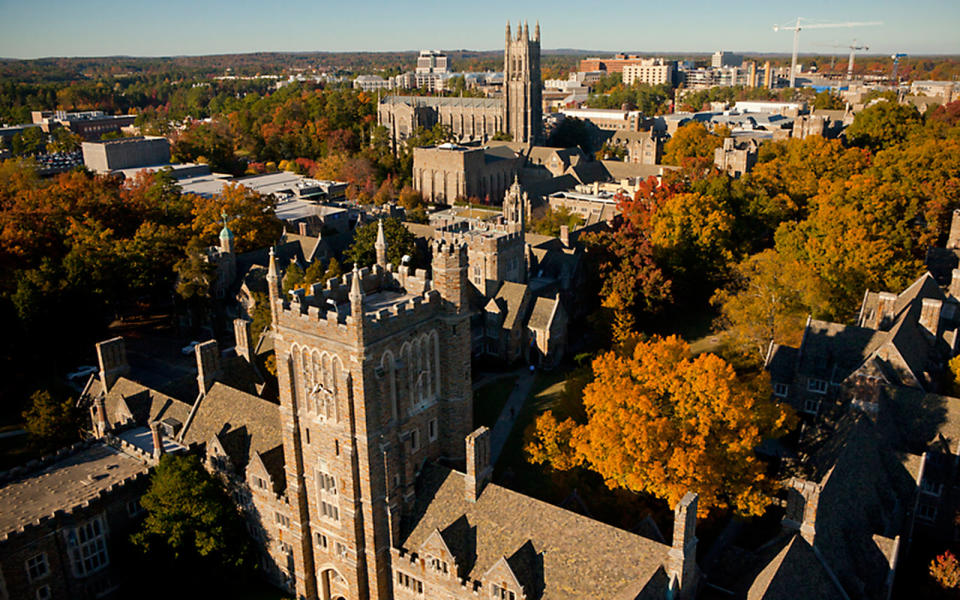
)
(508, 31)
(381, 245)
(536, 32)
(356, 293)
(272, 266)
(526, 32)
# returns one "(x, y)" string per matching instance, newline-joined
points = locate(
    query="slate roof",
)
(916, 420)
(541, 317)
(831, 351)
(865, 489)
(509, 298)
(941, 262)
(64, 483)
(144, 404)
(794, 572)
(581, 558)
(245, 424)
(781, 363)
(435, 102)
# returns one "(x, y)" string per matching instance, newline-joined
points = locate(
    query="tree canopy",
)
(663, 423)
(189, 515)
(400, 243)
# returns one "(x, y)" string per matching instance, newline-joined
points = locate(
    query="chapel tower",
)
(522, 93)
(374, 376)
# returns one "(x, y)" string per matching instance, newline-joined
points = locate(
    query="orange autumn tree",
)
(663, 423)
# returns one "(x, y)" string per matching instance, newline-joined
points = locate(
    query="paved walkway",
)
(12, 433)
(511, 409)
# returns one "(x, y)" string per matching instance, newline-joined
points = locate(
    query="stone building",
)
(736, 159)
(643, 147)
(519, 113)
(449, 172)
(64, 517)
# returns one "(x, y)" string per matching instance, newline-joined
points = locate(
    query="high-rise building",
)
(722, 58)
(432, 61)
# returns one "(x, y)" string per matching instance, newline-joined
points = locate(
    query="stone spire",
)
(381, 245)
(526, 32)
(536, 32)
(273, 286)
(356, 294)
(508, 30)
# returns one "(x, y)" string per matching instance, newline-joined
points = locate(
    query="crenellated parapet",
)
(392, 298)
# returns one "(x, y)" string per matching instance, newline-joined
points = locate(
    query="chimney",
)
(112, 355)
(565, 236)
(885, 305)
(953, 240)
(802, 500)
(241, 331)
(682, 558)
(157, 439)
(955, 283)
(99, 416)
(208, 364)
(930, 315)
(478, 463)
(302, 226)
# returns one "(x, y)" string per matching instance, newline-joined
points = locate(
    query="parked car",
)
(188, 349)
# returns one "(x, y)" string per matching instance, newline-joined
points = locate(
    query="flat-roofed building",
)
(652, 71)
(125, 153)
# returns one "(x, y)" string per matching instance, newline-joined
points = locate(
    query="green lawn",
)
(488, 401)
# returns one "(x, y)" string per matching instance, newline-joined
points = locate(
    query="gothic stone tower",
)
(522, 93)
(374, 374)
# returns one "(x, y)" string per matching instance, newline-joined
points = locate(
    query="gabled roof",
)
(865, 490)
(795, 572)
(144, 404)
(244, 424)
(510, 300)
(543, 313)
(570, 557)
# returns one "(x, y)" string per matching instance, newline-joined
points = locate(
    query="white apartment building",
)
(651, 71)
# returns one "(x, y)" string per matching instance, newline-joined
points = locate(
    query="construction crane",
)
(896, 65)
(796, 37)
(853, 49)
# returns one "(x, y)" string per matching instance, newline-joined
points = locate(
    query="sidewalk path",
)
(511, 409)
(12, 433)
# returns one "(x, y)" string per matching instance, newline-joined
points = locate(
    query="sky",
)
(184, 27)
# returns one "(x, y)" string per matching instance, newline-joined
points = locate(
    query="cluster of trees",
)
(77, 250)
(650, 99)
(806, 232)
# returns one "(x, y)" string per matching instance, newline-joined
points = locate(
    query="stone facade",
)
(369, 391)
(449, 172)
(519, 113)
(735, 160)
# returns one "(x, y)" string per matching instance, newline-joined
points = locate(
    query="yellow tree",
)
(767, 300)
(692, 140)
(663, 423)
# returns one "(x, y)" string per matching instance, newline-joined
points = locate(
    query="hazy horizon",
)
(109, 28)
